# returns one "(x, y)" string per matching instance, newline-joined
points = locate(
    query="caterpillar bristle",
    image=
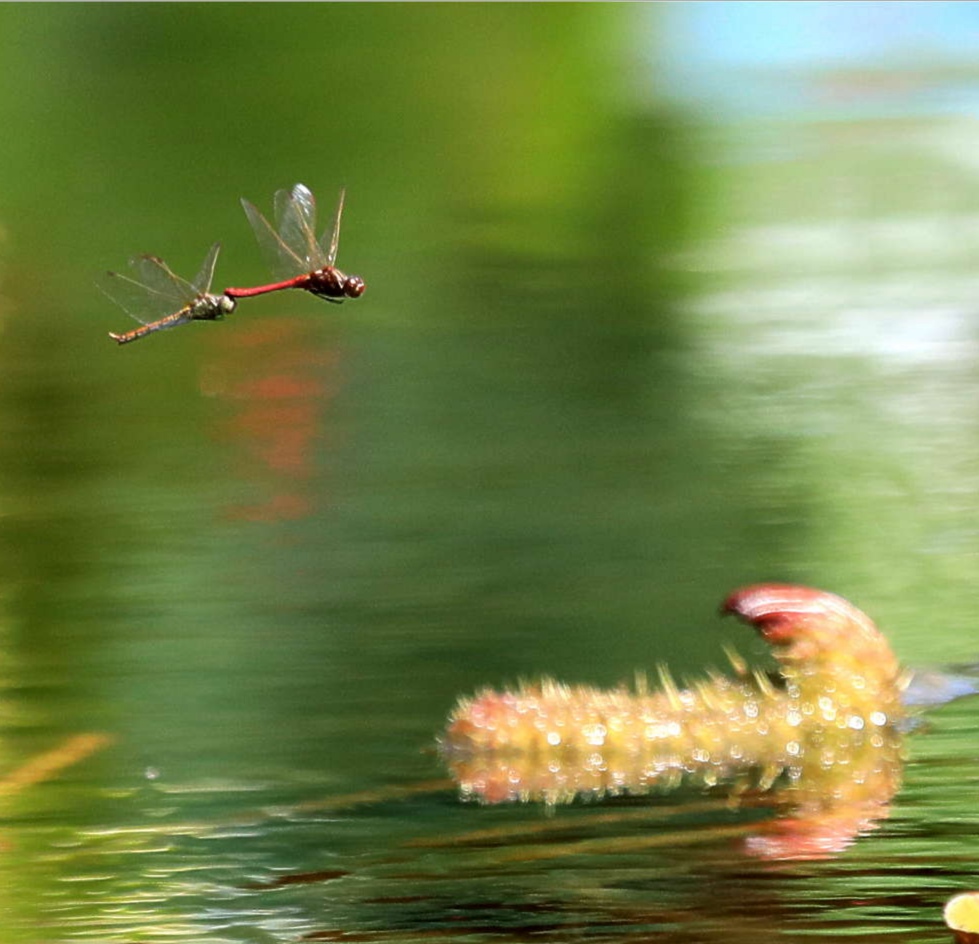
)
(669, 687)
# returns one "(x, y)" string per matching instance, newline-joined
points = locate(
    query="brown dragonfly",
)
(159, 298)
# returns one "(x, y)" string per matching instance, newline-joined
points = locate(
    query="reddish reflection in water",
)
(280, 379)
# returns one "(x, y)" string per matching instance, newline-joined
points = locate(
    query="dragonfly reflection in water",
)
(160, 299)
(294, 253)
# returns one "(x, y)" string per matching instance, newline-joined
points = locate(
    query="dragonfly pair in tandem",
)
(159, 298)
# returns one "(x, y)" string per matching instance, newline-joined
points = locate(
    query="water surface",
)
(609, 366)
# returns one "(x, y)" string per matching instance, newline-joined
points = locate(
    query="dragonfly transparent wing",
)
(162, 281)
(202, 284)
(153, 293)
(279, 257)
(334, 232)
(295, 217)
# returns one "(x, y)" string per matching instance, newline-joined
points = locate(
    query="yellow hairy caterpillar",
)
(822, 739)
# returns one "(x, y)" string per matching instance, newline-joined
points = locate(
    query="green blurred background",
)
(662, 299)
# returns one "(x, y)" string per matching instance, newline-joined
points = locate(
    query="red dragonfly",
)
(159, 298)
(293, 252)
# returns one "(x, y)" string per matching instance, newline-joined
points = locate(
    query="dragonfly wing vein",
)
(202, 284)
(295, 214)
(279, 257)
(141, 302)
(334, 241)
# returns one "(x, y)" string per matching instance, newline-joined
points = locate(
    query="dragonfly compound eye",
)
(353, 286)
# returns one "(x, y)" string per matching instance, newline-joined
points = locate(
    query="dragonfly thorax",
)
(330, 282)
(209, 307)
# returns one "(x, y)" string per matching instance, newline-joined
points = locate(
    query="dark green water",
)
(613, 361)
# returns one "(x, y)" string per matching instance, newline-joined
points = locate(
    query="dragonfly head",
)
(353, 286)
